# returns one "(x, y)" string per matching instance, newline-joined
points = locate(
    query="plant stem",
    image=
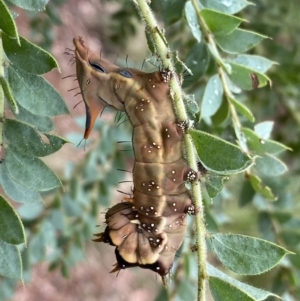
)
(222, 72)
(163, 53)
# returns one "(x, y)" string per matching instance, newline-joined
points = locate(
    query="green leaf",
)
(172, 11)
(7, 23)
(220, 23)
(258, 186)
(11, 227)
(30, 172)
(242, 76)
(10, 261)
(191, 105)
(30, 212)
(254, 62)
(261, 146)
(219, 155)
(221, 288)
(30, 4)
(270, 166)
(226, 6)
(28, 57)
(197, 61)
(222, 114)
(242, 109)
(214, 184)
(15, 191)
(224, 291)
(43, 124)
(35, 94)
(212, 98)
(264, 129)
(191, 17)
(239, 40)
(7, 93)
(27, 140)
(246, 255)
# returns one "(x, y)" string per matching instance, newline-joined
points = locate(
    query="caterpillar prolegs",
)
(149, 227)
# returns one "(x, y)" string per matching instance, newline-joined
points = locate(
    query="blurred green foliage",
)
(72, 214)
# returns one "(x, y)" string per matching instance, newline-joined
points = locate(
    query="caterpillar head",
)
(103, 84)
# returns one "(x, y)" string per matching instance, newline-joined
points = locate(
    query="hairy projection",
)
(148, 228)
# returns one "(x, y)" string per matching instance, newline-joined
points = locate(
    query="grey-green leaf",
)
(239, 40)
(43, 124)
(35, 94)
(10, 261)
(28, 57)
(9, 97)
(30, 172)
(264, 129)
(246, 255)
(27, 140)
(7, 23)
(242, 109)
(253, 292)
(269, 165)
(220, 23)
(261, 146)
(212, 97)
(172, 11)
(242, 76)
(30, 4)
(11, 227)
(258, 186)
(191, 17)
(254, 62)
(219, 155)
(197, 60)
(224, 291)
(226, 6)
(15, 191)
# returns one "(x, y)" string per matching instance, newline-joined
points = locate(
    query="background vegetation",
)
(58, 232)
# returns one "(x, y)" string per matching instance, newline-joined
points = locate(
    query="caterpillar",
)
(147, 228)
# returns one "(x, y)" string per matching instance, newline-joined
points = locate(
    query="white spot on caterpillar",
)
(152, 225)
(142, 110)
(151, 208)
(158, 268)
(135, 221)
(153, 86)
(149, 189)
(173, 171)
(174, 204)
(149, 151)
(150, 79)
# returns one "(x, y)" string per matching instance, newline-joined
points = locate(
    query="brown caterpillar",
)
(147, 228)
